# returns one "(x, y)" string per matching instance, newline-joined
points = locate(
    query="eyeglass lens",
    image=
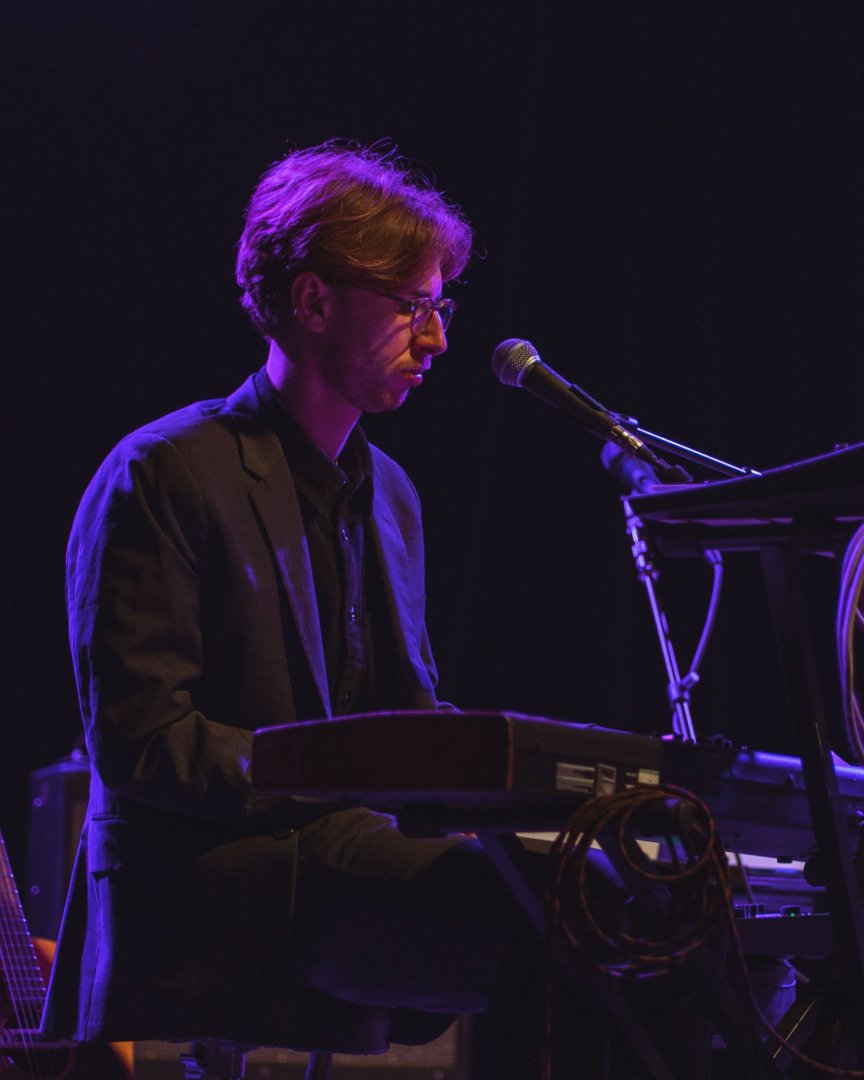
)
(423, 314)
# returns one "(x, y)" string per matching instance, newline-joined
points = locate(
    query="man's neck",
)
(327, 419)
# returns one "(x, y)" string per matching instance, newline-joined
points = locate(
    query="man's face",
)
(369, 355)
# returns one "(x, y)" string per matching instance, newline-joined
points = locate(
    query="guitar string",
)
(24, 968)
(8, 952)
(17, 955)
(11, 956)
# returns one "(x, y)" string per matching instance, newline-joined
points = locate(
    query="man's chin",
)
(387, 402)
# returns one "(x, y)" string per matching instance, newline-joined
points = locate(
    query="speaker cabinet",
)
(58, 797)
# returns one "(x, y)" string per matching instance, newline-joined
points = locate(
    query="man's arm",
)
(135, 563)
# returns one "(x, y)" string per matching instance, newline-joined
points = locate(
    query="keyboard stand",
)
(786, 515)
(781, 566)
(727, 1012)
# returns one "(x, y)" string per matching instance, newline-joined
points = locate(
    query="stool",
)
(212, 1059)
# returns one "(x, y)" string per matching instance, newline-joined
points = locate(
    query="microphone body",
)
(517, 363)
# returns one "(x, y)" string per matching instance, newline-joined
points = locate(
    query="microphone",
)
(516, 363)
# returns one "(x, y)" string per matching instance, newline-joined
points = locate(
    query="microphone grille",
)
(512, 359)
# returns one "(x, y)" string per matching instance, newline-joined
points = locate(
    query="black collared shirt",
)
(335, 503)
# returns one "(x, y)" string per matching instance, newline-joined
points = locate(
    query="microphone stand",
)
(677, 688)
(625, 434)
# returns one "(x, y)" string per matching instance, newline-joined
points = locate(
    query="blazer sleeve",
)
(135, 561)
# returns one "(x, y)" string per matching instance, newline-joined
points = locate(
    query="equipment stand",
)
(781, 566)
(678, 689)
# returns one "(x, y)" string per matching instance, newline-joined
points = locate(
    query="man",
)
(254, 561)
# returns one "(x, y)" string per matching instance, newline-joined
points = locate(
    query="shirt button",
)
(352, 614)
(343, 532)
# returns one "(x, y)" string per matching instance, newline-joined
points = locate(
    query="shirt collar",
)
(322, 480)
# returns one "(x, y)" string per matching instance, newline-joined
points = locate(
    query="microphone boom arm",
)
(626, 427)
(688, 453)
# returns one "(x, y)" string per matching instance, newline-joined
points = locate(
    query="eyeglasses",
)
(420, 310)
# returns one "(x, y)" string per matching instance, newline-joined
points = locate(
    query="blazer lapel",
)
(275, 498)
(276, 502)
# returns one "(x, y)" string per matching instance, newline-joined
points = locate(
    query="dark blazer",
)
(193, 621)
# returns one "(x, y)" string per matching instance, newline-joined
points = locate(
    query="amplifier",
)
(444, 1059)
(58, 796)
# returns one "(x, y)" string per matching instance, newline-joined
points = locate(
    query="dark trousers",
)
(428, 926)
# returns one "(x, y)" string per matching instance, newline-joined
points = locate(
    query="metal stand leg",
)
(781, 567)
(500, 850)
(208, 1060)
(678, 689)
(319, 1065)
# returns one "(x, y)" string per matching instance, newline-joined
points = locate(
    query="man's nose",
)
(433, 337)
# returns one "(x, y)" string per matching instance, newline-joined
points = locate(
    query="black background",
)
(668, 202)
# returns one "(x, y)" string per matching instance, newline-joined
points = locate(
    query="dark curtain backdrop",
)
(668, 203)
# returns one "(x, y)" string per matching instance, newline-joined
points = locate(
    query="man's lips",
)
(415, 373)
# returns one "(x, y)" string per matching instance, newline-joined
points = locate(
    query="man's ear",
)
(309, 294)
